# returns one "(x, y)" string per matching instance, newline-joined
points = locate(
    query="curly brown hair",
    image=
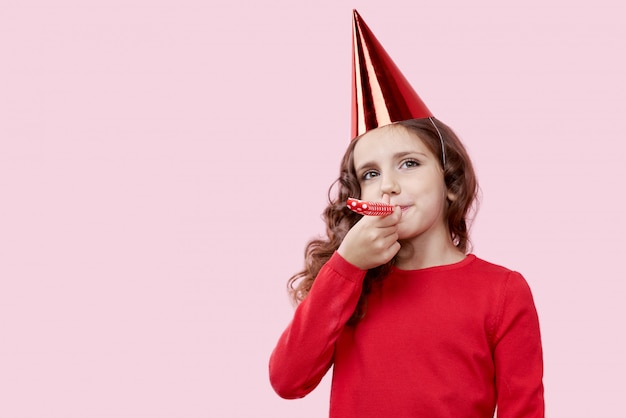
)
(459, 178)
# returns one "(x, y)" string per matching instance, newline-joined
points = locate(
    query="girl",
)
(413, 324)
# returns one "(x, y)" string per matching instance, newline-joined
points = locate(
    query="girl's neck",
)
(416, 255)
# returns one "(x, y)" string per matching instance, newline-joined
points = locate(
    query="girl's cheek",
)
(366, 193)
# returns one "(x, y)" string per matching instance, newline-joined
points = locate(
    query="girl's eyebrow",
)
(396, 156)
(365, 166)
(406, 153)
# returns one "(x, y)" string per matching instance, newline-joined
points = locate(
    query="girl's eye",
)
(368, 175)
(410, 163)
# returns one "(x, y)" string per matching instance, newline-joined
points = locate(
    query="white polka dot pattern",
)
(369, 208)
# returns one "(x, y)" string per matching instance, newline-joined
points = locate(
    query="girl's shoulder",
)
(488, 266)
(493, 274)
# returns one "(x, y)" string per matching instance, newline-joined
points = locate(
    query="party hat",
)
(381, 95)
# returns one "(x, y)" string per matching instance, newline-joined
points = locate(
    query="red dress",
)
(448, 341)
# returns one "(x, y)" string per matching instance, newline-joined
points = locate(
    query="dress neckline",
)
(469, 258)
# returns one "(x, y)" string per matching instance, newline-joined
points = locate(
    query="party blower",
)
(363, 207)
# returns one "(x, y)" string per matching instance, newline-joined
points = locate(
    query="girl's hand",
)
(372, 241)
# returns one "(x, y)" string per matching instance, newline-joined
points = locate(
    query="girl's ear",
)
(451, 196)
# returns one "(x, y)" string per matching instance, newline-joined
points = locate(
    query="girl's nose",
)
(389, 185)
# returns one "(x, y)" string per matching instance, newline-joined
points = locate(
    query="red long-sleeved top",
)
(447, 341)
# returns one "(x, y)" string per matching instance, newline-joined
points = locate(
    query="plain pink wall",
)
(163, 163)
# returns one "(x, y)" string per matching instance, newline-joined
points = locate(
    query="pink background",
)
(163, 163)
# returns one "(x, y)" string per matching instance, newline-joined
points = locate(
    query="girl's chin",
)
(406, 235)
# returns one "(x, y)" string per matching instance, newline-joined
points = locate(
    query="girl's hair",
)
(459, 178)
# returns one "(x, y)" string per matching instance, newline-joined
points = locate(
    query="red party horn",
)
(363, 207)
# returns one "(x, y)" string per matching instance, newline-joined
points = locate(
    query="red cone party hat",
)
(380, 95)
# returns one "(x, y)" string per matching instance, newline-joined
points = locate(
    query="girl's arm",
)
(518, 353)
(304, 352)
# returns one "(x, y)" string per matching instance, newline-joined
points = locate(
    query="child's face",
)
(392, 162)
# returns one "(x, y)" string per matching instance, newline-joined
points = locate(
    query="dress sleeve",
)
(518, 354)
(305, 350)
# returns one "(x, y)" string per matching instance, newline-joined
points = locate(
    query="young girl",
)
(412, 324)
